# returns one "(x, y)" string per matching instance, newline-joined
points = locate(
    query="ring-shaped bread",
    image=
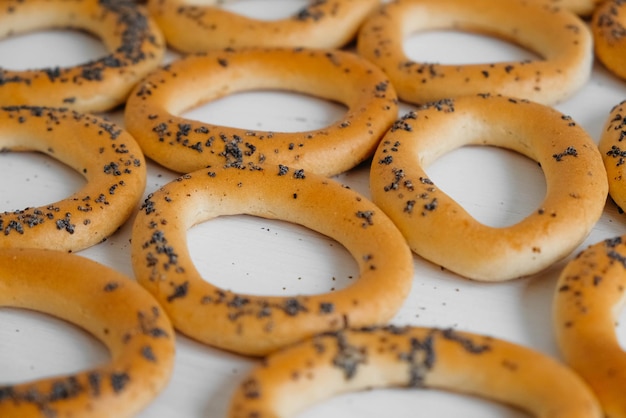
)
(440, 230)
(192, 27)
(614, 157)
(608, 27)
(185, 145)
(253, 324)
(587, 303)
(112, 308)
(560, 38)
(107, 157)
(332, 363)
(134, 42)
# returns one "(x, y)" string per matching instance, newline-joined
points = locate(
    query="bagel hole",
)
(449, 47)
(264, 9)
(35, 345)
(251, 255)
(32, 179)
(269, 110)
(404, 403)
(496, 186)
(49, 48)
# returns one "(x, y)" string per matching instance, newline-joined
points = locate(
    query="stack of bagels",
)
(315, 346)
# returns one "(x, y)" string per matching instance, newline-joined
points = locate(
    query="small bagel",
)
(609, 34)
(587, 302)
(257, 325)
(114, 309)
(440, 230)
(191, 27)
(613, 151)
(558, 36)
(298, 376)
(135, 43)
(103, 153)
(185, 145)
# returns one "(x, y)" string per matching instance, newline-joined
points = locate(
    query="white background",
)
(280, 258)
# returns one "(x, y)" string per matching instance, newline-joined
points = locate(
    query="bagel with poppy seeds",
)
(561, 39)
(587, 303)
(613, 150)
(609, 33)
(107, 157)
(112, 308)
(184, 145)
(134, 42)
(252, 324)
(192, 27)
(440, 230)
(332, 363)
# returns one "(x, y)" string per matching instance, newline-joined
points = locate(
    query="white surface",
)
(33, 345)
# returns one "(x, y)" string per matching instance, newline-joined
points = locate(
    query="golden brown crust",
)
(345, 361)
(133, 39)
(559, 37)
(185, 145)
(613, 152)
(192, 28)
(587, 303)
(103, 153)
(256, 325)
(114, 309)
(441, 231)
(584, 8)
(609, 35)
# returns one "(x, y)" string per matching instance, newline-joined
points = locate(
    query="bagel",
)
(607, 26)
(610, 146)
(256, 325)
(135, 43)
(441, 231)
(191, 27)
(185, 145)
(559, 37)
(103, 153)
(588, 299)
(114, 309)
(350, 360)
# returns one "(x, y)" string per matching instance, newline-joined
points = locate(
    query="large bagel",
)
(184, 145)
(560, 38)
(252, 324)
(102, 152)
(332, 363)
(114, 309)
(133, 40)
(441, 231)
(193, 27)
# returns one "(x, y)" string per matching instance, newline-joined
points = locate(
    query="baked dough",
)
(350, 360)
(257, 325)
(584, 8)
(103, 153)
(114, 309)
(614, 157)
(561, 39)
(135, 43)
(587, 303)
(185, 145)
(609, 34)
(191, 26)
(440, 230)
